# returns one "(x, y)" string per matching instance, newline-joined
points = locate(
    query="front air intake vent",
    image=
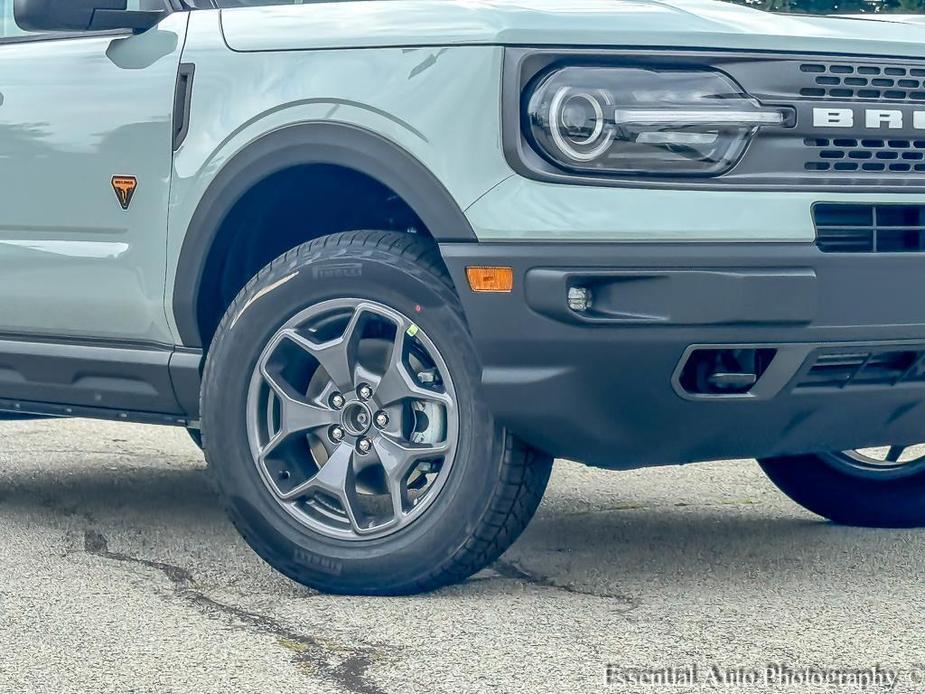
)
(850, 369)
(869, 228)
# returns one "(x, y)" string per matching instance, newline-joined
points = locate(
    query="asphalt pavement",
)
(119, 572)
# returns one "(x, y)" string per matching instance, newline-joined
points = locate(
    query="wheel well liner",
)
(296, 145)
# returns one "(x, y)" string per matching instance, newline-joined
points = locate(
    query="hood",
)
(616, 23)
(894, 18)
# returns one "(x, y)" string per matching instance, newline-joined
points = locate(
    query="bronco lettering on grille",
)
(873, 118)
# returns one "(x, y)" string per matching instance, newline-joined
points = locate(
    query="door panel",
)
(74, 113)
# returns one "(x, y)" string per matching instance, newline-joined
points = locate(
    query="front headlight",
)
(638, 121)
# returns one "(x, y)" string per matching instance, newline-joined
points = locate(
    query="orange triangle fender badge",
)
(125, 189)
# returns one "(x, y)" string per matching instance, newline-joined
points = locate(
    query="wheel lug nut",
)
(364, 445)
(337, 434)
(382, 420)
(337, 400)
(365, 392)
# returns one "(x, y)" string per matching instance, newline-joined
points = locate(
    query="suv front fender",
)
(297, 145)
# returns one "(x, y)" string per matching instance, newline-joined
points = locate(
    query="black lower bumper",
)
(842, 340)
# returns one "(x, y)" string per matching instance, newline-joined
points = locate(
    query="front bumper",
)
(604, 387)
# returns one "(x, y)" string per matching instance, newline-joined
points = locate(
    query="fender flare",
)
(297, 145)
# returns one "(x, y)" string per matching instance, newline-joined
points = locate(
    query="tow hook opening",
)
(725, 371)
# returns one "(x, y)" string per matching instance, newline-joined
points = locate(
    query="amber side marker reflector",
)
(490, 279)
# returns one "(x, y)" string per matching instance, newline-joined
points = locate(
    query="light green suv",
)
(386, 260)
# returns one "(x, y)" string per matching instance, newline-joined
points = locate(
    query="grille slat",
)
(846, 154)
(847, 370)
(894, 84)
(869, 228)
(833, 370)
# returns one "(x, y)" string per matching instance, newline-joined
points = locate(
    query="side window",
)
(8, 28)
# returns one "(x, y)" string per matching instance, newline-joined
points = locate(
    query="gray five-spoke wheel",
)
(352, 419)
(880, 461)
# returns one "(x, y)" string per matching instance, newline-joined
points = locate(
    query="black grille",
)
(877, 82)
(869, 228)
(892, 154)
(867, 155)
(848, 369)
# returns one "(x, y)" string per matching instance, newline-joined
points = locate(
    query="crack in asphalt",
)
(96, 543)
(349, 675)
(511, 570)
(658, 507)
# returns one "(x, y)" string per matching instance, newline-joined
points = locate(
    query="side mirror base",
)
(136, 20)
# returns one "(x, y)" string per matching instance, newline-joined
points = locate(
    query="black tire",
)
(493, 488)
(827, 485)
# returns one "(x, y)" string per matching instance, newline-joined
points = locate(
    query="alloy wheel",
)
(880, 461)
(352, 419)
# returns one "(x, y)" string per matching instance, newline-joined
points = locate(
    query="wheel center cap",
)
(357, 418)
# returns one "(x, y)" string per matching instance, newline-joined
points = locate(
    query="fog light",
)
(579, 298)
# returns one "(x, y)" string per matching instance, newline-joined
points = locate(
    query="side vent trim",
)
(182, 99)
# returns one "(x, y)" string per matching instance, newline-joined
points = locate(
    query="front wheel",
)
(343, 418)
(873, 487)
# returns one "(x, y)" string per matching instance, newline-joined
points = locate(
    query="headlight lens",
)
(630, 120)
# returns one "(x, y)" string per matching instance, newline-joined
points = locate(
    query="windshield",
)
(837, 6)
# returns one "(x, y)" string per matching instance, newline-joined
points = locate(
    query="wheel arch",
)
(321, 143)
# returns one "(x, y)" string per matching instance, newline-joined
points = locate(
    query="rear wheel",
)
(343, 418)
(872, 487)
